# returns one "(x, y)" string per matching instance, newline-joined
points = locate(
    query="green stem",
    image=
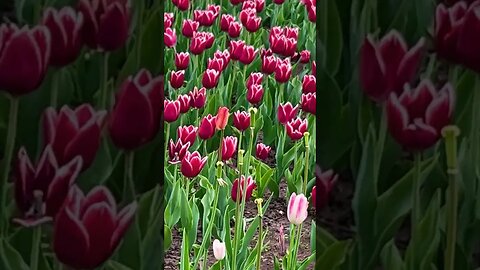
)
(5, 166)
(292, 246)
(238, 222)
(298, 237)
(452, 205)
(415, 219)
(305, 173)
(104, 87)
(37, 241)
(260, 240)
(54, 93)
(128, 184)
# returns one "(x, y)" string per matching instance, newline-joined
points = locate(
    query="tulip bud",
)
(206, 130)
(187, 134)
(210, 78)
(192, 164)
(171, 110)
(229, 147)
(169, 37)
(182, 5)
(297, 210)
(255, 94)
(177, 151)
(182, 60)
(309, 103)
(241, 120)
(296, 128)
(286, 112)
(218, 250)
(262, 151)
(304, 56)
(198, 97)
(189, 27)
(309, 84)
(221, 118)
(240, 184)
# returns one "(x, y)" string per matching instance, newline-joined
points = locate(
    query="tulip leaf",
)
(167, 237)
(129, 252)
(152, 245)
(10, 258)
(330, 33)
(114, 265)
(333, 256)
(391, 258)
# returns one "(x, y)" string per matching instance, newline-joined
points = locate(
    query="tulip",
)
(234, 29)
(187, 134)
(259, 5)
(250, 20)
(229, 147)
(255, 94)
(206, 129)
(291, 32)
(309, 84)
(215, 9)
(73, 133)
(286, 112)
(386, 66)
(208, 38)
(24, 55)
(236, 2)
(225, 55)
(278, 2)
(225, 21)
(177, 78)
(297, 210)
(283, 71)
(192, 164)
(197, 97)
(181, 60)
(216, 64)
(250, 187)
(312, 13)
(204, 17)
(296, 128)
(262, 151)
(325, 181)
(198, 44)
(169, 37)
(189, 27)
(40, 190)
(107, 23)
(248, 55)
(218, 250)
(167, 20)
(185, 102)
(249, 5)
(89, 228)
(210, 78)
(309, 103)
(304, 56)
(236, 49)
(177, 151)
(269, 64)
(417, 116)
(65, 27)
(221, 118)
(171, 110)
(182, 5)
(241, 120)
(254, 78)
(135, 118)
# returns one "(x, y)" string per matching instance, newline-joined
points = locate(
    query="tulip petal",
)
(85, 143)
(372, 71)
(90, 26)
(397, 117)
(96, 195)
(392, 48)
(409, 65)
(45, 171)
(24, 172)
(113, 30)
(124, 219)
(84, 113)
(438, 113)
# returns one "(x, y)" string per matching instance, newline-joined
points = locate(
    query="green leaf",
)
(10, 258)
(330, 34)
(152, 245)
(391, 258)
(333, 257)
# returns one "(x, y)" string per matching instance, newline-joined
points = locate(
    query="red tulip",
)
(248, 5)
(286, 112)
(387, 65)
(177, 151)
(206, 130)
(325, 181)
(204, 17)
(89, 228)
(248, 55)
(135, 118)
(291, 32)
(182, 5)
(221, 118)
(234, 29)
(216, 64)
(236, 2)
(312, 13)
(259, 5)
(187, 134)
(278, 2)
(225, 55)
(107, 23)
(304, 56)
(210, 78)
(192, 164)
(73, 133)
(237, 187)
(169, 37)
(229, 147)
(225, 21)
(255, 94)
(65, 27)
(283, 71)
(250, 20)
(309, 103)
(208, 37)
(41, 189)
(215, 9)
(236, 49)
(198, 44)
(417, 116)
(24, 55)
(182, 60)
(296, 128)
(185, 102)
(241, 120)
(177, 78)
(262, 151)
(189, 27)
(197, 97)
(167, 20)
(171, 110)
(269, 64)
(254, 78)
(309, 84)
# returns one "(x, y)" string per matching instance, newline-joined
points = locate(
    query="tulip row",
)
(235, 79)
(62, 180)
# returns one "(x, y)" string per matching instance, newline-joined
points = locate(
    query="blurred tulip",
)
(259, 5)
(88, 229)
(182, 5)
(206, 129)
(216, 64)
(225, 21)
(325, 181)
(189, 27)
(197, 97)
(417, 116)
(210, 78)
(241, 120)
(40, 190)
(255, 94)
(269, 64)
(215, 9)
(254, 78)
(236, 2)
(167, 20)
(73, 133)
(262, 151)
(182, 60)
(309, 103)
(219, 250)
(225, 55)
(297, 210)
(177, 78)
(208, 37)
(386, 66)
(234, 29)
(283, 71)
(107, 23)
(236, 49)
(249, 5)
(177, 151)
(221, 118)
(65, 27)
(250, 184)
(309, 84)
(296, 128)
(192, 164)
(204, 17)
(286, 112)
(278, 2)
(229, 147)
(24, 57)
(248, 55)
(250, 20)
(135, 118)
(169, 37)
(304, 56)
(187, 134)
(198, 44)
(171, 110)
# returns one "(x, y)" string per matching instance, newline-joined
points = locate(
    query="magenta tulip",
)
(192, 164)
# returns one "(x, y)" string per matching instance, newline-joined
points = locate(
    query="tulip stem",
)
(167, 135)
(37, 241)
(104, 86)
(291, 246)
(296, 246)
(305, 173)
(5, 166)
(128, 184)
(237, 208)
